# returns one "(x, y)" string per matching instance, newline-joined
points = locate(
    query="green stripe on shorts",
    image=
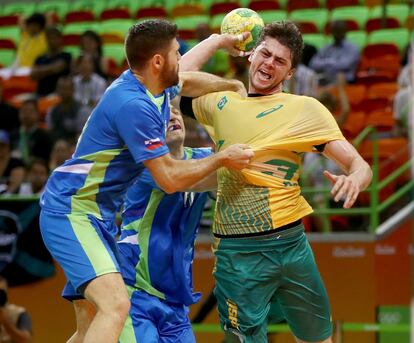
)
(92, 245)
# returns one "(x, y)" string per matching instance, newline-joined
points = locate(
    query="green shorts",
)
(277, 271)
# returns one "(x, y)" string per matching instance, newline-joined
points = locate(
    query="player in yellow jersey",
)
(262, 255)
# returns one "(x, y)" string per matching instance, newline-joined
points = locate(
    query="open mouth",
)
(174, 127)
(264, 75)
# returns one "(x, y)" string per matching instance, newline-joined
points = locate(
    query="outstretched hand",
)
(344, 187)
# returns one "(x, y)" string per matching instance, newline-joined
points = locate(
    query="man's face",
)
(54, 40)
(37, 176)
(338, 30)
(65, 88)
(271, 64)
(33, 28)
(176, 128)
(86, 66)
(169, 73)
(28, 115)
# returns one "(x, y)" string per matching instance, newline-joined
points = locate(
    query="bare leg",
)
(84, 312)
(109, 296)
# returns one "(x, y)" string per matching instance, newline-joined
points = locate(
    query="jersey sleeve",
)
(173, 91)
(314, 125)
(143, 130)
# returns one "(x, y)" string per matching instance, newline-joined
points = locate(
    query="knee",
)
(117, 304)
(122, 305)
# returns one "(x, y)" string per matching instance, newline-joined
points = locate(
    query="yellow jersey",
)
(30, 48)
(279, 128)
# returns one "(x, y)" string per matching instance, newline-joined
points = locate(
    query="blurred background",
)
(58, 56)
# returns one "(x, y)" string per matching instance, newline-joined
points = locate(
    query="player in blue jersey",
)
(156, 250)
(124, 134)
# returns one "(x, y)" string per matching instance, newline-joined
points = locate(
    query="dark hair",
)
(37, 18)
(288, 34)
(147, 38)
(95, 37)
(38, 161)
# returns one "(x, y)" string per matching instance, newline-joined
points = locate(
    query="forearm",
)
(209, 183)
(361, 172)
(194, 59)
(180, 175)
(41, 71)
(195, 84)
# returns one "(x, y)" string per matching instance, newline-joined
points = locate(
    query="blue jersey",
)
(126, 128)
(157, 238)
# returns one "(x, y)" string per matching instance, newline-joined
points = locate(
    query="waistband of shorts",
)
(264, 234)
(276, 240)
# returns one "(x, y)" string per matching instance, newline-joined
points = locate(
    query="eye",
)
(265, 53)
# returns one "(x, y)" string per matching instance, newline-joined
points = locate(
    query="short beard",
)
(168, 79)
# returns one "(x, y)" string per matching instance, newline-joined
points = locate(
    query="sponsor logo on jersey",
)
(220, 144)
(269, 111)
(223, 101)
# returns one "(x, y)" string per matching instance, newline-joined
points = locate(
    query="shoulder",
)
(311, 101)
(138, 105)
(349, 45)
(99, 79)
(290, 97)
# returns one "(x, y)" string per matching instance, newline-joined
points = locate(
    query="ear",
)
(158, 62)
(290, 74)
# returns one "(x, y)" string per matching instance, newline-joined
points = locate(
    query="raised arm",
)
(180, 175)
(194, 59)
(197, 83)
(358, 172)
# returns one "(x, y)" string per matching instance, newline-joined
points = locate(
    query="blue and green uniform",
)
(156, 251)
(82, 196)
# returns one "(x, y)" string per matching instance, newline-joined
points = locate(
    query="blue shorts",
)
(153, 320)
(83, 245)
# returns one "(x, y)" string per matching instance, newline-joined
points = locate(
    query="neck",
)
(150, 81)
(86, 77)
(176, 150)
(277, 89)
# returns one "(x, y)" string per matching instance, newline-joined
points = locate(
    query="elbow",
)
(169, 189)
(368, 177)
(370, 174)
(169, 185)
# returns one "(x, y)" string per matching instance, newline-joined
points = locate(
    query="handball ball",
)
(243, 20)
